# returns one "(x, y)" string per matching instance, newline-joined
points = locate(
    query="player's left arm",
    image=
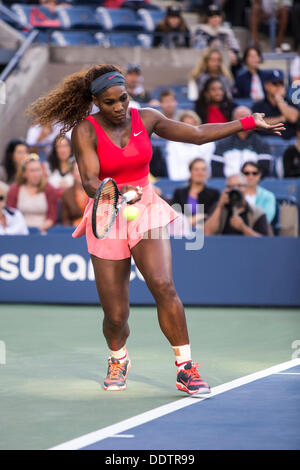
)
(182, 132)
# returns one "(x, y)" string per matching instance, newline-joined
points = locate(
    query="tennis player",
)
(115, 142)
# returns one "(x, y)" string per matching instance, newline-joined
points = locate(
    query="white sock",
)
(182, 354)
(121, 355)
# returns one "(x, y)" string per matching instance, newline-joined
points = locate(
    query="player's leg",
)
(153, 258)
(112, 281)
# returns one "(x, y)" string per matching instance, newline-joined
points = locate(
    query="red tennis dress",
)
(127, 165)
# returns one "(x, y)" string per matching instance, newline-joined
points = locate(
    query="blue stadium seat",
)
(123, 40)
(119, 20)
(61, 230)
(79, 17)
(179, 90)
(150, 18)
(39, 17)
(72, 38)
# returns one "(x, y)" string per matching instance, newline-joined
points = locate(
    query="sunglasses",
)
(2, 198)
(248, 173)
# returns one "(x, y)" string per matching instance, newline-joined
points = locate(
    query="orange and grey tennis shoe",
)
(116, 374)
(189, 380)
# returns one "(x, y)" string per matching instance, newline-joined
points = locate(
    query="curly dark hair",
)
(201, 105)
(53, 157)
(71, 101)
(8, 161)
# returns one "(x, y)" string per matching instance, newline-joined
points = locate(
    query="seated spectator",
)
(213, 104)
(74, 200)
(255, 195)
(168, 104)
(36, 199)
(40, 139)
(291, 157)
(276, 107)
(46, 16)
(172, 31)
(12, 221)
(135, 84)
(262, 10)
(179, 154)
(16, 150)
(249, 83)
(210, 65)
(196, 192)
(215, 33)
(233, 215)
(60, 163)
(241, 148)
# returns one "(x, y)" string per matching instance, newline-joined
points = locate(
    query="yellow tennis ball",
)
(131, 212)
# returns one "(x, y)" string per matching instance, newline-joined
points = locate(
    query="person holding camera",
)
(233, 215)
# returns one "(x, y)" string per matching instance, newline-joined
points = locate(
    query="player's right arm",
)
(84, 142)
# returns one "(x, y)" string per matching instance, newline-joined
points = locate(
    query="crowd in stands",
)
(40, 182)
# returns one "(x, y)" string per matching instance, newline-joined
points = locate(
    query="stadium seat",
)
(150, 18)
(72, 38)
(123, 40)
(78, 17)
(119, 20)
(36, 16)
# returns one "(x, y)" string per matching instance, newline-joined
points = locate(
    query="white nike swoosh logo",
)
(135, 135)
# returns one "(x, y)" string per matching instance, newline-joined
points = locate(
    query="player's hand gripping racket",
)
(107, 205)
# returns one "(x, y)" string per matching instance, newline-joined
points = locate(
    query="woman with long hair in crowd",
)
(60, 163)
(16, 150)
(210, 65)
(213, 104)
(115, 142)
(33, 196)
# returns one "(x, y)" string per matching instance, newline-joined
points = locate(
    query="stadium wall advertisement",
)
(226, 271)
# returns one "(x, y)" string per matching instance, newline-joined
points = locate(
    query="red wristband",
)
(248, 123)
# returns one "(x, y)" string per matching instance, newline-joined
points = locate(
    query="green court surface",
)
(51, 384)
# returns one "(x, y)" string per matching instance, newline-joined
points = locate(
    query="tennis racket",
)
(107, 205)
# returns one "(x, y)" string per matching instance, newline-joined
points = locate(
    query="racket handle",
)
(129, 195)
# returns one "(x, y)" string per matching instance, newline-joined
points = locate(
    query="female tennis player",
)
(115, 142)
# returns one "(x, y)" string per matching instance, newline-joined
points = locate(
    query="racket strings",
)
(106, 210)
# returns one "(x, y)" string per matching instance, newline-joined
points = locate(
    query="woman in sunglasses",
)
(12, 221)
(31, 194)
(255, 194)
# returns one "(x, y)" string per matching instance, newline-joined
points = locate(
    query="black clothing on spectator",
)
(208, 197)
(291, 162)
(264, 106)
(260, 225)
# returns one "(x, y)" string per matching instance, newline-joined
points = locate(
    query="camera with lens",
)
(235, 198)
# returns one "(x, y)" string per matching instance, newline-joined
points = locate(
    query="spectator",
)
(242, 147)
(60, 162)
(36, 199)
(275, 106)
(16, 150)
(196, 192)
(255, 195)
(168, 104)
(213, 104)
(291, 157)
(40, 139)
(172, 31)
(250, 82)
(215, 33)
(262, 10)
(74, 200)
(179, 154)
(235, 11)
(11, 220)
(295, 16)
(210, 65)
(45, 15)
(233, 215)
(135, 84)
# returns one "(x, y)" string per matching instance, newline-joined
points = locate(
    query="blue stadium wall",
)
(226, 271)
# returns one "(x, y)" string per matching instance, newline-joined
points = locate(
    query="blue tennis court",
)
(259, 411)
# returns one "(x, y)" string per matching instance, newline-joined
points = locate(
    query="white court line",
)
(125, 436)
(288, 373)
(143, 418)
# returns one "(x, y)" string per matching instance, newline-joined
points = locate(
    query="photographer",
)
(233, 215)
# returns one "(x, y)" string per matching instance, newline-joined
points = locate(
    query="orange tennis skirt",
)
(154, 212)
